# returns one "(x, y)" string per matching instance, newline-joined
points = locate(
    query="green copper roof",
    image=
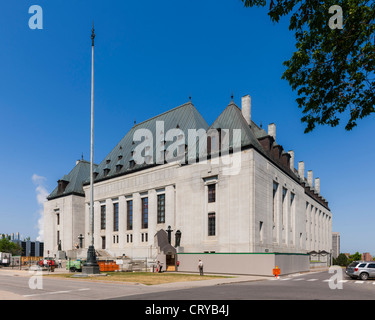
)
(72, 182)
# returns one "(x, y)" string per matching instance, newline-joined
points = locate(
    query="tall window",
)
(129, 215)
(161, 208)
(275, 187)
(211, 192)
(115, 217)
(102, 217)
(58, 218)
(144, 213)
(283, 216)
(211, 224)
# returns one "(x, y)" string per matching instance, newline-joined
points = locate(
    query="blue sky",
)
(149, 57)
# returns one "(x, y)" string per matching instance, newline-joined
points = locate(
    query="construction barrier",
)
(107, 266)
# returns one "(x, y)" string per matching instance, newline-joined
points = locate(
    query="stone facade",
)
(267, 206)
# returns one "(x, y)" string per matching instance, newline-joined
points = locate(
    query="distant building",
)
(335, 244)
(29, 248)
(366, 256)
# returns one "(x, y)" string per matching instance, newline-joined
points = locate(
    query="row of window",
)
(129, 213)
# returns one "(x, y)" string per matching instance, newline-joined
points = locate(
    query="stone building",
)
(226, 188)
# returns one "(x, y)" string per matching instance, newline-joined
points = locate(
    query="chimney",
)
(291, 153)
(310, 178)
(301, 170)
(246, 108)
(317, 185)
(272, 130)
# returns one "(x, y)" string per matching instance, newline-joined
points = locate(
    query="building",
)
(228, 187)
(335, 244)
(29, 248)
(366, 256)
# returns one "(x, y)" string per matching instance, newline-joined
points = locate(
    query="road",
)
(313, 286)
(310, 286)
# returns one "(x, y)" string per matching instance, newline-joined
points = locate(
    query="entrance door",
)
(170, 261)
(103, 242)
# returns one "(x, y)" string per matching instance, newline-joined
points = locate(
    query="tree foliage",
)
(10, 247)
(331, 69)
(341, 260)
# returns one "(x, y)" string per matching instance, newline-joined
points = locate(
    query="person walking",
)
(200, 267)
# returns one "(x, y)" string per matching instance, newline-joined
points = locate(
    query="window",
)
(129, 238)
(106, 172)
(211, 193)
(131, 164)
(115, 217)
(275, 187)
(129, 216)
(283, 215)
(144, 213)
(144, 237)
(211, 224)
(161, 208)
(371, 265)
(58, 218)
(102, 217)
(261, 231)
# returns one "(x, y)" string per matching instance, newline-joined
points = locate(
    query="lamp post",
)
(91, 266)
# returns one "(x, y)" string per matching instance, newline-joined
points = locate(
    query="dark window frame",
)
(129, 215)
(144, 202)
(211, 224)
(103, 217)
(161, 208)
(211, 191)
(115, 216)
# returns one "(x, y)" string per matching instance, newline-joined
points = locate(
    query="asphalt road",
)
(310, 286)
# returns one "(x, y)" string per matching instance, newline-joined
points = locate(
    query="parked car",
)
(48, 263)
(361, 269)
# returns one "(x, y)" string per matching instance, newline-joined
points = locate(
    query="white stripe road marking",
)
(299, 279)
(359, 282)
(54, 292)
(312, 280)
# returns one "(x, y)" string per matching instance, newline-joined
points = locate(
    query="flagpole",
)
(91, 266)
(92, 140)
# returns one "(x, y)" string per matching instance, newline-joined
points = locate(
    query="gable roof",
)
(183, 117)
(231, 118)
(73, 181)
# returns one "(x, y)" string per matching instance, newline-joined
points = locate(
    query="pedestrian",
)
(60, 263)
(160, 266)
(200, 267)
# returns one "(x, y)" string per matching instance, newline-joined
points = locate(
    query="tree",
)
(333, 68)
(341, 260)
(8, 246)
(355, 257)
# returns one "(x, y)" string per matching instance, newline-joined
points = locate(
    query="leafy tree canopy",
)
(331, 69)
(10, 247)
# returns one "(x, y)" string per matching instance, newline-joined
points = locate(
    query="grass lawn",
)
(147, 278)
